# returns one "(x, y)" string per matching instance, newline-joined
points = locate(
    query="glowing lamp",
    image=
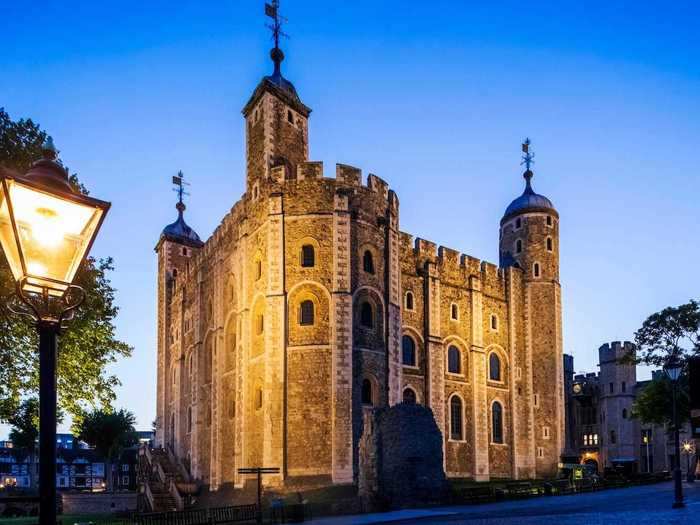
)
(46, 227)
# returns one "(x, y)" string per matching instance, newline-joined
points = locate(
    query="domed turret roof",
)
(529, 201)
(179, 231)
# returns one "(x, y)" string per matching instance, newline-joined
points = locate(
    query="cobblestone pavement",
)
(650, 504)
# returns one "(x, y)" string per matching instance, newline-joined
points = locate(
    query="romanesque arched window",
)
(367, 398)
(306, 313)
(494, 367)
(496, 422)
(409, 396)
(408, 347)
(456, 418)
(454, 360)
(550, 244)
(409, 300)
(368, 262)
(518, 246)
(308, 257)
(536, 269)
(366, 315)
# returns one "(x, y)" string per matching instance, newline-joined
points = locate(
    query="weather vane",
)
(179, 183)
(528, 158)
(272, 10)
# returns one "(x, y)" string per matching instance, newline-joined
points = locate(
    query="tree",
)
(88, 344)
(654, 404)
(109, 433)
(670, 336)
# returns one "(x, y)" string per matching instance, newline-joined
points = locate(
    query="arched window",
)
(454, 360)
(494, 322)
(496, 422)
(366, 315)
(408, 347)
(409, 300)
(368, 262)
(494, 367)
(367, 392)
(306, 313)
(550, 245)
(308, 259)
(454, 312)
(536, 269)
(518, 246)
(409, 396)
(455, 418)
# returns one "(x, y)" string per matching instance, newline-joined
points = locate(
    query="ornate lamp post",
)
(673, 372)
(46, 231)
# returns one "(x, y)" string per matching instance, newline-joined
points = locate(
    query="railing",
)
(177, 464)
(179, 502)
(241, 513)
(149, 495)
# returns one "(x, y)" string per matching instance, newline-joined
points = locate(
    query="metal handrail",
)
(179, 502)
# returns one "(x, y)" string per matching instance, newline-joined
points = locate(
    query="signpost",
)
(259, 471)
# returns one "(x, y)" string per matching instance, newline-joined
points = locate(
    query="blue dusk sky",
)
(434, 97)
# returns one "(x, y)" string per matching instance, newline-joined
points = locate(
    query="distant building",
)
(77, 466)
(600, 429)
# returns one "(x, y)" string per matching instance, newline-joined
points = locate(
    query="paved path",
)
(646, 505)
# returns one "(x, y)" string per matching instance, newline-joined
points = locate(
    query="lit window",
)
(308, 258)
(306, 313)
(455, 418)
(454, 358)
(408, 347)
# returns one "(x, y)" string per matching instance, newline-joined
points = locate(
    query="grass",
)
(68, 519)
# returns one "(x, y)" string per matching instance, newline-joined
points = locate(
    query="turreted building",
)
(308, 306)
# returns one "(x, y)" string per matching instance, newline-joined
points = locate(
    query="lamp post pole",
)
(678, 486)
(48, 332)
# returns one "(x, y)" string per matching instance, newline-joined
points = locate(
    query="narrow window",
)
(306, 313)
(259, 324)
(518, 246)
(494, 322)
(189, 419)
(367, 392)
(545, 432)
(409, 300)
(613, 437)
(494, 367)
(455, 418)
(454, 358)
(549, 244)
(258, 269)
(408, 347)
(308, 258)
(454, 312)
(624, 413)
(366, 315)
(595, 439)
(409, 396)
(549, 220)
(536, 269)
(540, 452)
(536, 400)
(518, 223)
(174, 273)
(290, 117)
(258, 398)
(612, 387)
(624, 386)
(368, 262)
(497, 422)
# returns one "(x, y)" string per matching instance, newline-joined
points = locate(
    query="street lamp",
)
(689, 451)
(46, 231)
(673, 372)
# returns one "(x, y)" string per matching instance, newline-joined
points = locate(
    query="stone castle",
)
(308, 306)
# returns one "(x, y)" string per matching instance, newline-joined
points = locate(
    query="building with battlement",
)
(308, 306)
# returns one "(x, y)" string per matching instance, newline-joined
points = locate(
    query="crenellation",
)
(310, 170)
(348, 174)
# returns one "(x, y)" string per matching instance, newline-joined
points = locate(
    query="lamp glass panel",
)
(7, 235)
(54, 233)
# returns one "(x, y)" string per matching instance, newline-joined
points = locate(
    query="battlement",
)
(614, 351)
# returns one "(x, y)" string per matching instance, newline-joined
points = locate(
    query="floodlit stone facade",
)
(308, 306)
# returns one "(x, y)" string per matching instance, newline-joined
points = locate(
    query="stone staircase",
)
(159, 478)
